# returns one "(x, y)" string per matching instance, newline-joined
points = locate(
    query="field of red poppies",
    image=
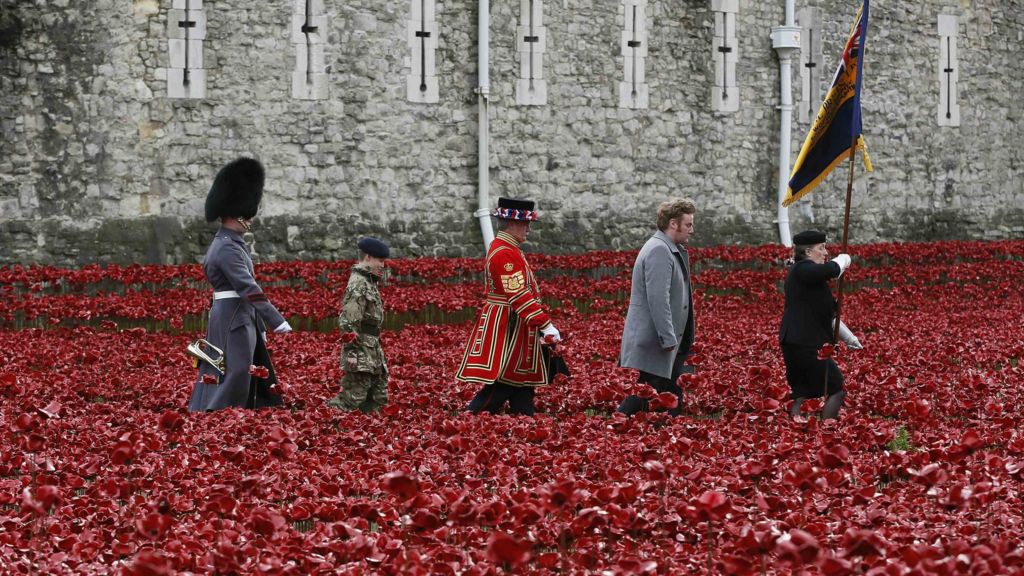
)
(102, 470)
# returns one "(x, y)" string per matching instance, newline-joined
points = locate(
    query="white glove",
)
(264, 335)
(844, 262)
(550, 330)
(284, 328)
(846, 335)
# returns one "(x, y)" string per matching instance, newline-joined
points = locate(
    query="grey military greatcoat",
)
(237, 325)
(659, 323)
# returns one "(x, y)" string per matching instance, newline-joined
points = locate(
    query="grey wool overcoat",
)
(237, 326)
(659, 322)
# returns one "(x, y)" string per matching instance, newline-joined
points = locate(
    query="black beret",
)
(236, 191)
(809, 238)
(374, 247)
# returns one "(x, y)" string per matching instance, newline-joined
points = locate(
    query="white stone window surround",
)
(186, 31)
(948, 112)
(422, 83)
(811, 67)
(531, 43)
(725, 95)
(633, 90)
(308, 30)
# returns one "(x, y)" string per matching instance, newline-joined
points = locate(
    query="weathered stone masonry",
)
(97, 163)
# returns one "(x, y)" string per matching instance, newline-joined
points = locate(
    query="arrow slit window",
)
(531, 39)
(633, 87)
(421, 83)
(948, 113)
(186, 30)
(810, 64)
(725, 94)
(309, 28)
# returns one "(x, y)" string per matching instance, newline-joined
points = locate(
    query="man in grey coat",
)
(240, 312)
(659, 329)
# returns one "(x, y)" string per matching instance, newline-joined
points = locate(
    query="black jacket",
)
(810, 307)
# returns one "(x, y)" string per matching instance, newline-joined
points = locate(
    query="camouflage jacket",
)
(362, 313)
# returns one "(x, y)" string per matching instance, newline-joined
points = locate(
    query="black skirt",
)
(806, 373)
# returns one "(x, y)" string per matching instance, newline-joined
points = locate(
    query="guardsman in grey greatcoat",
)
(240, 313)
(365, 384)
(659, 329)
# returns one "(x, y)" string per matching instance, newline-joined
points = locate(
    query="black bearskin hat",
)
(236, 191)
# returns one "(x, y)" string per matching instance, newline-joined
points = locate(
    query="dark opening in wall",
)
(10, 27)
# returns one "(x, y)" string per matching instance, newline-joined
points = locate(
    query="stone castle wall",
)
(98, 164)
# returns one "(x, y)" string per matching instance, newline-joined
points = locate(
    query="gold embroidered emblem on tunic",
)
(513, 282)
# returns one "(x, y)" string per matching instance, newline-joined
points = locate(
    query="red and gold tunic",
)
(505, 344)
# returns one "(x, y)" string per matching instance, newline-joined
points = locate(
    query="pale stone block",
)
(422, 10)
(190, 4)
(307, 86)
(533, 93)
(947, 25)
(431, 93)
(523, 46)
(416, 42)
(422, 61)
(525, 71)
(310, 6)
(176, 87)
(725, 25)
(633, 96)
(725, 6)
(145, 8)
(320, 22)
(728, 78)
(531, 10)
(27, 197)
(176, 51)
(729, 102)
(637, 66)
(176, 17)
(9, 208)
(627, 50)
(303, 60)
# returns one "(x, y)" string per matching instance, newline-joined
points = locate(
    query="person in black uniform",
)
(807, 324)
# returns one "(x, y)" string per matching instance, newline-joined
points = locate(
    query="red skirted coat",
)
(505, 344)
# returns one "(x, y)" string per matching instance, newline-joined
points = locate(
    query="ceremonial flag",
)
(838, 124)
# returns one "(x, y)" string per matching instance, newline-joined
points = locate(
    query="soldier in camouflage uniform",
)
(365, 384)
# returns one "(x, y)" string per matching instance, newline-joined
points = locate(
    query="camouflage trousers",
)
(362, 391)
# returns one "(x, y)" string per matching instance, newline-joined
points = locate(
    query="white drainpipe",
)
(785, 41)
(483, 91)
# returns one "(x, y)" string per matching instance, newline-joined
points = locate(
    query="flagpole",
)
(846, 242)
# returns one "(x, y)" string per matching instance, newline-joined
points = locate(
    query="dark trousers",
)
(633, 403)
(493, 396)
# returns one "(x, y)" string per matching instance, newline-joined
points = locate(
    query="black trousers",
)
(807, 375)
(492, 397)
(632, 404)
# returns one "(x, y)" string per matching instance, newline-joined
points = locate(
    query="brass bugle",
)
(198, 349)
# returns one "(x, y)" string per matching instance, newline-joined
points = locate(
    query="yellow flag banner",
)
(837, 127)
